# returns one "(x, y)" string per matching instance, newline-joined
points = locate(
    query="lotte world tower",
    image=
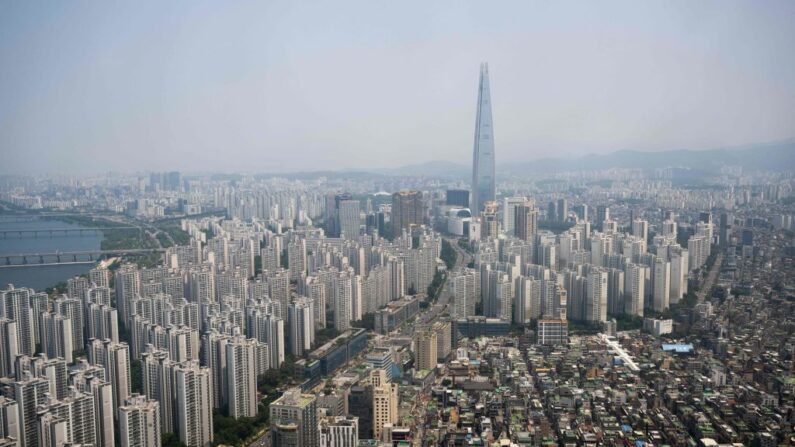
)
(483, 186)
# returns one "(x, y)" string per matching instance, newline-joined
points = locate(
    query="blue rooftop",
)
(678, 348)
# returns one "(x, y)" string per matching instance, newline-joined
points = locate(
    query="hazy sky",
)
(280, 86)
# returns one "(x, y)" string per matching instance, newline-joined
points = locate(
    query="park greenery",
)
(325, 335)
(435, 287)
(448, 254)
(367, 322)
(465, 245)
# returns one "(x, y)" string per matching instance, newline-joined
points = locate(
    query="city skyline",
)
(273, 224)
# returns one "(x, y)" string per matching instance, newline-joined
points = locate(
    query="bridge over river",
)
(10, 260)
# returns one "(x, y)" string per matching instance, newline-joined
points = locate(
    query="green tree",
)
(367, 322)
(448, 254)
(171, 440)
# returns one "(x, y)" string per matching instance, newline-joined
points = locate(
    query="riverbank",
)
(36, 276)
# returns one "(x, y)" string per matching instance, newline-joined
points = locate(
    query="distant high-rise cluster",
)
(408, 210)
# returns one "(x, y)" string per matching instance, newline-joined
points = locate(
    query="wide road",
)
(442, 305)
(712, 277)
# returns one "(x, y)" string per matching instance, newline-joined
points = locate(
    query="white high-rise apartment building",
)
(115, 358)
(698, 251)
(29, 393)
(349, 219)
(640, 228)
(15, 304)
(74, 310)
(342, 300)
(357, 297)
(596, 296)
(214, 357)
(56, 336)
(9, 422)
(504, 297)
(316, 291)
(678, 276)
(528, 299)
(279, 283)
(464, 293)
(669, 228)
(241, 385)
(662, 285)
(202, 285)
(193, 403)
(99, 277)
(103, 323)
(9, 346)
(128, 288)
(296, 258)
(104, 412)
(634, 289)
(302, 325)
(159, 385)
(139, 422)
(77, 410)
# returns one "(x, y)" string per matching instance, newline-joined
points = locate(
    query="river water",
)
(40, 277)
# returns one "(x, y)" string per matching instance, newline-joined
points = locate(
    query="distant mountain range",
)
(778, 156)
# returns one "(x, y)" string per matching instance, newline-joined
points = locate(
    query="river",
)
(40, 277)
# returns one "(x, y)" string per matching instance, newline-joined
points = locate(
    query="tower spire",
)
(483, 180)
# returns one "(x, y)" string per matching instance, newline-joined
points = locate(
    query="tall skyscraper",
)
(407, 209)
(483, 180)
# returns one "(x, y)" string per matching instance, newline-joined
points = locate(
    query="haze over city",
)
(363, 224)
(286, 86)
